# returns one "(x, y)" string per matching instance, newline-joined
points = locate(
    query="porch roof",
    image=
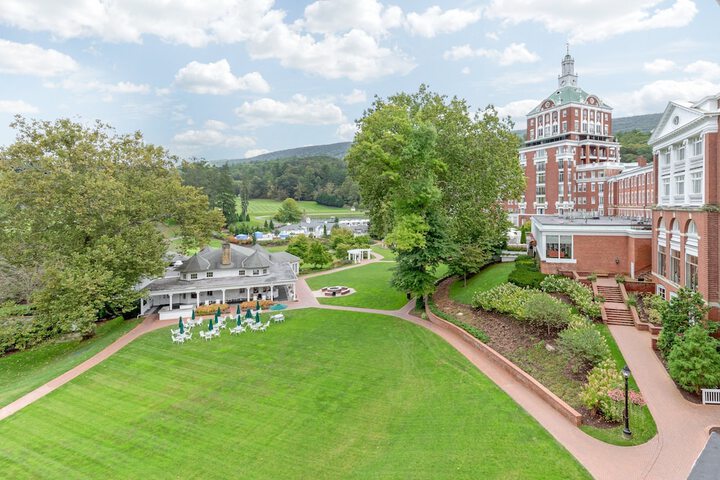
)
(277, 276)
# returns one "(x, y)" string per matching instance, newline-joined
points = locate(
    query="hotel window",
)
(666, 186)
(558, 246)
(193, 276)
(584, 127)
(696, 182)
(209, 293)
(564, 114)
(577, 125)
(660, 290)
(265, 271)
(674, 265)
(541, 178)
(661, 261)
(208, 274)
(256, 272)
(691, 272)
(592, 187)
(697, 146)
(681, 153)
(241, 273)
(564, 126)
(680, 185)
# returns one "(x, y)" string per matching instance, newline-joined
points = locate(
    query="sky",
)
(221, 79)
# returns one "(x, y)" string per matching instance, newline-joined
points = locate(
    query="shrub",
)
(252, 303)
(584, 347)
(618, 395)
(694, 361)
(542, 310)
(654, 305)
(592, 277)
(474, 331)
(22, 333)
(526, 273)
(632, 300)
(620, 278)
(600, 381)
(579, 294)
(210, 309)
(505, 298)
(685, 309)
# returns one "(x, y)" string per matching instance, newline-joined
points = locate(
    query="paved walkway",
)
(683, 427)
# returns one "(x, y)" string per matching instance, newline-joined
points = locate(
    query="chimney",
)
(226, 253)
(641, 161)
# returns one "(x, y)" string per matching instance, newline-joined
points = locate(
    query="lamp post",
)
(626, 376)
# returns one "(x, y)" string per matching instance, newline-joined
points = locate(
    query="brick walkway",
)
(683, 427)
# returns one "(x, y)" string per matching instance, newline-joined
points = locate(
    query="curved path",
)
(682, 426)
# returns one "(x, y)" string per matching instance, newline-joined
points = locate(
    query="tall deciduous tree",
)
(429, 171)
(216, 183)
(81, 206)
(289, 211)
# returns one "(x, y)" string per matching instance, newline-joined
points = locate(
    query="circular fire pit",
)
(335, 291)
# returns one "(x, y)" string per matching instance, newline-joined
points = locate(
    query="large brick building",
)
(568, 153)
(686, 218)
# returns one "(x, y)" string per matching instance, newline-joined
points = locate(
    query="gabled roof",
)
(211, 259)
(673, 109)
(568, 94)
(256, 260)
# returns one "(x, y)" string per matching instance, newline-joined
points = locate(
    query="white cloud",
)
(659, 65)
(654, 96)
(217, 79)
(356, 96)
(212, 135)
(299, 110)
(586, 21)
(355, 55)
(513, 53)
(29, 59)
(704, 69)
(517, 110)
(326, 16)
(492, 36)
(16, 106)
(346, 131)
(435, 21)
(80, 85)
(254, 152)
(465, 71)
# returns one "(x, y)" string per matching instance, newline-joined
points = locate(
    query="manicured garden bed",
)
(327, 394)
(22, 372)
(537, 352)
(371, 283)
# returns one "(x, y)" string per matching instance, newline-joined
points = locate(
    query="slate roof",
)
(253, 256)
(568, 94)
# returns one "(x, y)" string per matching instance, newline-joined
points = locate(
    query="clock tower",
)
(568, 77)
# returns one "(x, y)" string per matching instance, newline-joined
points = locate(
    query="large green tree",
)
(434, 177)
(81, 205)
(289, 211)
(216, 183)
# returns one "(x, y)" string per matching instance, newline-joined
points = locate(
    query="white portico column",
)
(272, 292)
(142, 306)
(197, 297)
(171, 295)
(223, 296)
(248, 294)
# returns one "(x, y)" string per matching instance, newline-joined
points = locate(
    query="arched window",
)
(691, 255)
(675, 252)
(662, 246)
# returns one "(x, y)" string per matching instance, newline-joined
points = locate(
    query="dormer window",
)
(208, 274)
(265, 270)
(256, 272)
(241, 273)
(193, 276)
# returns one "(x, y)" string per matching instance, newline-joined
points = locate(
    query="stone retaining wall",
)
(528, 381)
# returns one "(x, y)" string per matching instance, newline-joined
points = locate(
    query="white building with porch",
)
(231, 274)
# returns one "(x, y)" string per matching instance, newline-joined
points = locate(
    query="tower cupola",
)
(568, 77)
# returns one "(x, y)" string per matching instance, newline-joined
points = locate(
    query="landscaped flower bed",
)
(559, 348)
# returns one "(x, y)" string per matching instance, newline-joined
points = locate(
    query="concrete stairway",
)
(615, 311)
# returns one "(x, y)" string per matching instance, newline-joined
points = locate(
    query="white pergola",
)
(356, 255)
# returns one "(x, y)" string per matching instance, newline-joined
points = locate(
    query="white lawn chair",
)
(175, 331)
(263, 326)
(206, 335)
(215, 332)
(278, 318)
(237, 330)
(178, 339)
(187, 336)
(255, 327)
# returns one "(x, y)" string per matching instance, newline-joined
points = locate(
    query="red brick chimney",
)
(226, 253)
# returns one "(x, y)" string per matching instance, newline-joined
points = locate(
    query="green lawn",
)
(24, 371)
(324, 395)
(261, 209)
(385, 252)
(276, 248)
(491, 276)
(642, 423)
(372, 285)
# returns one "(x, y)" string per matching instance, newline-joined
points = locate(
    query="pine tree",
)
(694, 361)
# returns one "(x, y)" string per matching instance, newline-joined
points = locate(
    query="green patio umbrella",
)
(217, 312)
(192, 317)
(237, 312)
(257, 317)
(181, 326)
(217, 315)
(248, 313)
(257, 304)
(239, 320)
(210, 325)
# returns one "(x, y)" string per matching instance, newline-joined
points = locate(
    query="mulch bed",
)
(508, 337)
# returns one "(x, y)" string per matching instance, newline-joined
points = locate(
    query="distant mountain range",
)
(644, 123)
